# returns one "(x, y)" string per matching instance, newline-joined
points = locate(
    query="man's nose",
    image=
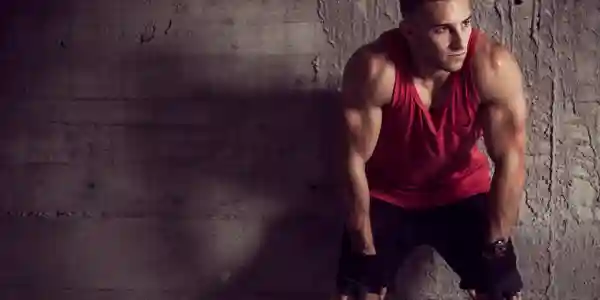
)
(457, 43)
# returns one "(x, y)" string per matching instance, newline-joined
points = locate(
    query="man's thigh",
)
(394, 240)
(459, 236)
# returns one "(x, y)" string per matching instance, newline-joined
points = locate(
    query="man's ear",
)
(407, 32)
(406, 29)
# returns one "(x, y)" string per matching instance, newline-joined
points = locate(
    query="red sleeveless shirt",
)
(428, 157)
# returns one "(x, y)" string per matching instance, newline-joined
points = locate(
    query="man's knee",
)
(371, 296)
(380, 296)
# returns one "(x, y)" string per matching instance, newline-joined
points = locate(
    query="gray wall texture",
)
(179, 149)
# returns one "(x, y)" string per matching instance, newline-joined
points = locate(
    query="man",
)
(416, 101)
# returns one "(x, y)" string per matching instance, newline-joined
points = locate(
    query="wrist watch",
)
(496, 248)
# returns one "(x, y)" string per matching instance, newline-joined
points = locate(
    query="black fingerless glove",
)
(500, 280)
(365, 275)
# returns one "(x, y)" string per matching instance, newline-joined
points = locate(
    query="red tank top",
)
(426, 158)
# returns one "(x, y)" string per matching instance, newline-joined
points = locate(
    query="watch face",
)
(499, 247)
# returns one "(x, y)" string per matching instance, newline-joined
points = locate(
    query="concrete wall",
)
(173, 149)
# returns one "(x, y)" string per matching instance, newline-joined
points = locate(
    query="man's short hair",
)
(408, 7)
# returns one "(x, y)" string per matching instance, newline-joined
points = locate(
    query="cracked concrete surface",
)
(181, 149)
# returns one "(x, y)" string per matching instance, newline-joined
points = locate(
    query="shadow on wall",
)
(27, 239)
(254, 175)
(247, 195)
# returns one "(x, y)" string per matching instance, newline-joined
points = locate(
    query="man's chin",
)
(453, 66)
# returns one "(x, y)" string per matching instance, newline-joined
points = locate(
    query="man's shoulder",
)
(493, 63)
(371, 59)
(496, 72)
(491, 55)
(371, 73)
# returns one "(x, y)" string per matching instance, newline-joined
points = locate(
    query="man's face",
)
(440, 31)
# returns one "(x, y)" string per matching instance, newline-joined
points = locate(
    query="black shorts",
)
(457, 232)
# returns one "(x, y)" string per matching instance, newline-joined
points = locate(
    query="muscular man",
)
(417, 100)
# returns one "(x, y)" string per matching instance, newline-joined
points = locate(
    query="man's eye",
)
(440, 29)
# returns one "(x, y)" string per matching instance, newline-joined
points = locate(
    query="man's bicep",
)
(362, 119)
(504, 130)
(505, 110)
(363, 130)
(362, 114)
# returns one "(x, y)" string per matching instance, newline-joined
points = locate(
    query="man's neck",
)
(428, 75)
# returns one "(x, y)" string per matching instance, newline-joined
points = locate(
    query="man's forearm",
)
(357, 192)
(505, 196)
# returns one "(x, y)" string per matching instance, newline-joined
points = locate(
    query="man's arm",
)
(505, 113)
(362, 115)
